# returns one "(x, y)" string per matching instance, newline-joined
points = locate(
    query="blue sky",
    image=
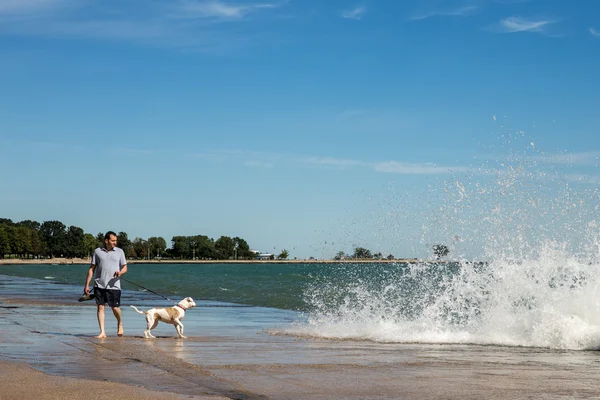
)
(314, 126)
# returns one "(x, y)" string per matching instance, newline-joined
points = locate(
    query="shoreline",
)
(65, 261)
(48, 351)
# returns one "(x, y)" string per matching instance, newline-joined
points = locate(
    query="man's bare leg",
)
(117, 312)
(101, 321)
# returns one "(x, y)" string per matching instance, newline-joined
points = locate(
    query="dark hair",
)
(109, 234)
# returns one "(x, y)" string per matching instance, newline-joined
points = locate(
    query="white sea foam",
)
(552, 301)
(539, 283)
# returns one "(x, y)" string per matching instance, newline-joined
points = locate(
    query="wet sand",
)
(22, 382)
(48, 351)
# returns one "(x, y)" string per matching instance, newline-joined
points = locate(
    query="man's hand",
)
(117, 274)
(86, 289)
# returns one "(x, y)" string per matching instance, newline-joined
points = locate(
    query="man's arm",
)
(123, 262)
(122, 271)
(90, 274)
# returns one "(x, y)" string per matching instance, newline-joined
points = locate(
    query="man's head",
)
(110, 240)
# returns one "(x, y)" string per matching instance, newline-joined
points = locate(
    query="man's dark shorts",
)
(110, 297)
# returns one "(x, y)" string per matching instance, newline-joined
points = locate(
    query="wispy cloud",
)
(269, 160)
(582, 178)
(518, 24)
(12, 7)
(185, 24)
(392, 167)
(338, 163)
(594, 32)
(240, 157)
(591, 158)
(457, 12)
(218, 9)
(355, 13)
(396, 167)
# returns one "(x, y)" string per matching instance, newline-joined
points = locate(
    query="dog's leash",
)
(145, 288)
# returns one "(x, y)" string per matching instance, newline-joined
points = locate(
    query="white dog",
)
(172, 315)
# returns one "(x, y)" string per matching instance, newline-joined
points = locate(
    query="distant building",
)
(262, 256)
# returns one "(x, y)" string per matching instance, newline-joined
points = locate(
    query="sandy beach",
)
(48, 351)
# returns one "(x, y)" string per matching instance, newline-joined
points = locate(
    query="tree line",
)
(439, 251)
(361, 253)
(31, 239)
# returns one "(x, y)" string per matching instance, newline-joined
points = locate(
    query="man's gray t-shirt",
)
(107, 263)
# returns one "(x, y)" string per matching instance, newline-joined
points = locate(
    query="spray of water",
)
(536, 280)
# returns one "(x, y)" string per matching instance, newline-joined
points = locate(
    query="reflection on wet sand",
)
(250, 364)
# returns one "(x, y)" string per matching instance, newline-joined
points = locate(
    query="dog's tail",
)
(140, 312)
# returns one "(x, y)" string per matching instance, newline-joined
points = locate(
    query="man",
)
(109, 264)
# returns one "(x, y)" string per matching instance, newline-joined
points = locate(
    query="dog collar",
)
(180, 307)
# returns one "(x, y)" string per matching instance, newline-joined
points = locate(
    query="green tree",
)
(99, 239)
(74, 242)
(378, 256)
(33, 244)
(390, 257)
(4, 241)
(361, 252)
(30, 224)
(440, 250)
(123, 242)
(89, 244)
(157, 246)
(204, 246)
(131, 253)
(340, 255)
(243, 250)
(53, 235)
(37, 247)
(6, 221)
(284, 254)
(19, 240)
(225, 247)
(180, 247)
(141, 247)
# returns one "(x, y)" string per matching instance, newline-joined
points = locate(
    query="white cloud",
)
(218, 9)
(331, 162)
(590, 158)
(172, 24)
(268, 160)
(248, 158)
(582, 178)
(594, 32)
(396, 167)
(518, 24)
(31, 6)
(355, 13)
(458, 12)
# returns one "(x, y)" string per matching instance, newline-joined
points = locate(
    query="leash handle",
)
(145, 288)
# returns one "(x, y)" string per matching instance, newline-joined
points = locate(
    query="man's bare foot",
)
(120, 330)
(101, 336)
